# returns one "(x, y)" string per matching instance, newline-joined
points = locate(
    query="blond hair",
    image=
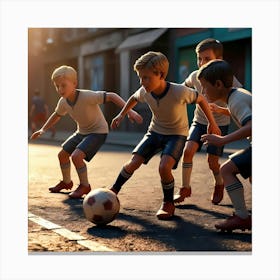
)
(154, 61)
(65, 71)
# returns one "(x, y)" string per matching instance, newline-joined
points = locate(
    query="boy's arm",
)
(212, 127)
(116, 99)
(52, 120)
(218, 109)
(216, 140)
(131, 103)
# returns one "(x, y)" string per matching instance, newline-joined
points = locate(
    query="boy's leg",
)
(241, 218)
(127, 171)
(167, 182)
(218, 193)
(78, 157)
(213, 155)
(65, 166)
(87, 147)
(191, 148)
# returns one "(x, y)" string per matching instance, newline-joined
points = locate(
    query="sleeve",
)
(139, 95)
(190, 95)
(60, 108)
(97, 97)
(241, 109)
(189, 80)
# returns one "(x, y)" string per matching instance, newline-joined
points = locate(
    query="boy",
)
(168, 128)
(92, 129)
(216, 80)
(206, 50)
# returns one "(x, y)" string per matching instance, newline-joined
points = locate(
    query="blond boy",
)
(168, 128)
(83, 107)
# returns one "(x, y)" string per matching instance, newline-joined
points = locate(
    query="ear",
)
(219, 84)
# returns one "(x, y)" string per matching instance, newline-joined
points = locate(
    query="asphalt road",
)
(136, 228)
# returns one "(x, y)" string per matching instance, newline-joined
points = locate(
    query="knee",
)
(226, 169)
(63, 156)
(133, 164)
(77, 157)
(164, 169)
(189, 151)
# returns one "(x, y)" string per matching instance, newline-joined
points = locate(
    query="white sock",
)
(186, 174)
(66, 172)
(236, 194)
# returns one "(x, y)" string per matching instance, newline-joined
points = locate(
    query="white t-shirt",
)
(240, 106)
(85, 111)
(169, 115)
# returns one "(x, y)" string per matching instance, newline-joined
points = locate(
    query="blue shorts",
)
(198, 129)
(89, 144)
(152, 143)
(243, 161)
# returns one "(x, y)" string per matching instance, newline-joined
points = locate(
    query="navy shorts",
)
(89, 144)
(198, 129)
(243, 161)
(153, 143)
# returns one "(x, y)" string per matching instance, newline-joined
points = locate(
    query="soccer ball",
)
(101, 206)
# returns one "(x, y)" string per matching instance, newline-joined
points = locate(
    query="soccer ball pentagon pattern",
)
(101, 206)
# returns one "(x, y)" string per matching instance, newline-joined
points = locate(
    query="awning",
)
(141, 40)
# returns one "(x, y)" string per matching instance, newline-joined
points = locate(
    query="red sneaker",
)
(182, 194)
(60, 186)
(235, 222)
(80, 191)
(166, 211)
(218, 194)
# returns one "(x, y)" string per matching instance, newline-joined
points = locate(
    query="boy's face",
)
(211, 92)
(65, 87)
(150, 81)
(205, 56)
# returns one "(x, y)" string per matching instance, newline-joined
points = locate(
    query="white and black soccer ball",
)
(101, 206)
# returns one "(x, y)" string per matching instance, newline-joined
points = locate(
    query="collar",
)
(160, 96)
(231, 92)
(76, 99)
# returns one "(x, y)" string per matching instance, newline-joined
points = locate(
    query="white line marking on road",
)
(91, 245)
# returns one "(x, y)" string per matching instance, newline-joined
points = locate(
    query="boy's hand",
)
(213, 107)
(213, 129)
(134, 117)
(116, 121)
(212, 139)
(219, 110)
(36, 134)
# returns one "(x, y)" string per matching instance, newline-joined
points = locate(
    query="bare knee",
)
(191, 148)
(63, 156)
(229, 169)
(78, 157)
(165, 168)
(134, 163)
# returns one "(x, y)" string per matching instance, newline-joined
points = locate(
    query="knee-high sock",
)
(82, 173)
(66, 172)
(186, 173)
(236, 194)
(122, 178)
(168, 191)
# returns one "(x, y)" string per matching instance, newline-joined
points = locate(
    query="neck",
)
(161, 88)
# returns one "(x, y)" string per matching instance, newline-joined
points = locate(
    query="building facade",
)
(104, 59)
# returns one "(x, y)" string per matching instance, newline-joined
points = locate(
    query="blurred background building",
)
(104, 59)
